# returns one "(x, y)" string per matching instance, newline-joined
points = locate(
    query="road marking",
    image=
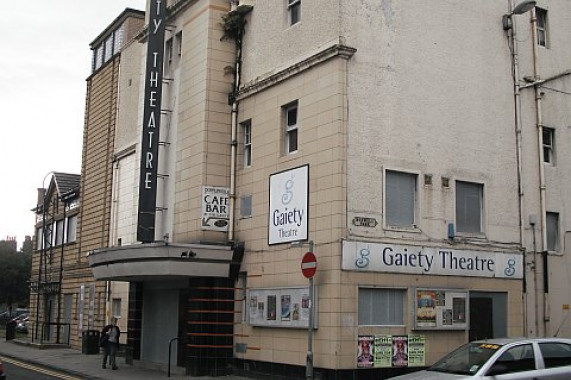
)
(38, 369)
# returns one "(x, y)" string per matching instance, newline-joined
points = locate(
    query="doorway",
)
(488, 315)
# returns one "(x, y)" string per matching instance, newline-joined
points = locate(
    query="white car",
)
(502, 359)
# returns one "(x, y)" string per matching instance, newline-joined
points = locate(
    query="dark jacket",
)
(106, 330)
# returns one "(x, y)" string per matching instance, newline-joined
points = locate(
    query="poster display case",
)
(281, 307)
(440, 309)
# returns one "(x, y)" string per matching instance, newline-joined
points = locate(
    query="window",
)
(119, 36)
(381, 307)
(246, 206)
(108, 48)
(291, 128)
(247, 130)
(552, 231)
(116, 307)
(294, 11)
(548, 147)
(555, 354)
(98, 57)
(541, 15)
(59, 232)
(469, 200)
(516, 359)
(39, 237)
(71, 228)
(400, 199)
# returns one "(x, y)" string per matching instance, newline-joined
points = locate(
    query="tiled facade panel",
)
(203, 130)
(320, 93)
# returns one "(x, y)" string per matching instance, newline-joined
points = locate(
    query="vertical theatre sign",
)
(289, 196)
(151, 123)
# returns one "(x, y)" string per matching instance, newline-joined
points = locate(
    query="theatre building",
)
(393, 145)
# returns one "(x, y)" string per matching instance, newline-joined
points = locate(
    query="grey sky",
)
(45, 60)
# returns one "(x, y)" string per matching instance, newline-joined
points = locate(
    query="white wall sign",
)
(289, 195)
(374, 257)
(215, 208)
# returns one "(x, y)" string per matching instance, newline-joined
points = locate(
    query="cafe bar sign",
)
(410, 259)
(151, 123)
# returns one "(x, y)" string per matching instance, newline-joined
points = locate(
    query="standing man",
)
(110, 348)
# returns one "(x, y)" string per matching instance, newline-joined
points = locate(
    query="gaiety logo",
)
(287, 196)
(510, 270)
(363, 260)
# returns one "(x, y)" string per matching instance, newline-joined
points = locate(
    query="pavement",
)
(81, 366)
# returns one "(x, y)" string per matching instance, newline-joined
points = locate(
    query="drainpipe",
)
(234, 137)
(542, 185)
(517, 104)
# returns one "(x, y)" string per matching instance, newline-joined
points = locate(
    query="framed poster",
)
(281, 307)
(440, 309)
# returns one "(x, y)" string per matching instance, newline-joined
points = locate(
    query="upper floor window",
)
(291, 128)
(294, 11)
(552, 231)
(469, 206)
(548, 145)
(247, 131)
(400, 199)
(59, 232)
(541, 15)
(71, 229)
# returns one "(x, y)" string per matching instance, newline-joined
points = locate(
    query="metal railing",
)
(52, 332)
(169, 363)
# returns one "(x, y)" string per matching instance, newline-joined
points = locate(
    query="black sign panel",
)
(151, 123)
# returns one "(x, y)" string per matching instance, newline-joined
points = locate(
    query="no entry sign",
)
(309, 265)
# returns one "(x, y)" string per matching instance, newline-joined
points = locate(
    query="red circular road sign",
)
(309, 265)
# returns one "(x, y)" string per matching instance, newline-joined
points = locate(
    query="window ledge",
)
(414, 228)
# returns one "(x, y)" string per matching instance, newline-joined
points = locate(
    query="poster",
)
(383, 351)
(416, 351)
(254, 306)
(286, 307)
(271, 307)
(365, 351)
(426, 303)
(400, 351)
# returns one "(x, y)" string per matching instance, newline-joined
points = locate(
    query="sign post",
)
(308, 268)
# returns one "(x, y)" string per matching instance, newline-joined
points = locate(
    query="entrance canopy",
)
(159, 260)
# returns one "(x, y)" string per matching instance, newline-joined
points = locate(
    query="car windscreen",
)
(467, 359)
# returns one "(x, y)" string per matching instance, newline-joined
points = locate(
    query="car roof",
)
(506, 341)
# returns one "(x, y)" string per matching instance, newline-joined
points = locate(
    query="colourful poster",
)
(383, 351)
(426, 302)
(416, 351)
(400, 351)
(286, 307)
(365, 351)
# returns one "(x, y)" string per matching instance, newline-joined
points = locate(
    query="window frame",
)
(68, 239)
(415, 198)
(549, 147)
(542, 30)
(291, 129)
(552, 244)
(459, 226)
(389, 305)
(59, 236)
(247, 142)
(294, 12)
